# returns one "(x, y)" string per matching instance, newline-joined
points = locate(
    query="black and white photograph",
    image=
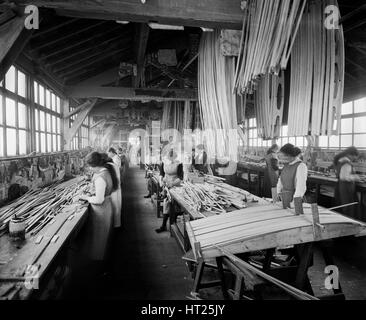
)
(182, 154)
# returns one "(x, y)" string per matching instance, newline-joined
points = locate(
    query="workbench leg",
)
(326, 249)
(198, 276)
(222, 278)
(305, 253)
(268, 260)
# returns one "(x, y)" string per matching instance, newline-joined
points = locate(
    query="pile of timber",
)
(265, 227)
(40, 206)
(211, 197)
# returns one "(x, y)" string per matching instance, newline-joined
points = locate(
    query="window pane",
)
(346, 126)
(48, 117)
(10, 112)
(360, 105)
(36, 123)
(11, 142)
(37, 142)
(35, 86)
(22, 115)
(59, 143)
(346, 141)
(292, 140)
(43, 142)
(48, 99)
(58, 125)
(1, 109)
(53, 124)
(58, 104)
(334, 142)
(1, 142)
(323, 141)
(360, 125)
(42, 120)
(49, 142)
(41, 95)
(53, 100)
(22, 142)
(300, 142)
(347, 108)
(360, 140)
(10, 79)
(54, 143)
(22, 84)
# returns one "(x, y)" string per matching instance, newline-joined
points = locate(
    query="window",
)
(352, 127)
(14, 109)
(47, 119)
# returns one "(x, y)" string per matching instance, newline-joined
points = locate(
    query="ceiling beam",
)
(134, 94)
(355, 64)
(204, 13)
(13, 39)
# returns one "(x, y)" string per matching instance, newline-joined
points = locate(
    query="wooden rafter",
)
(13, 39)
(104, 56)
(73, 45)
(67, 36)
(54, 28)
(75, 53)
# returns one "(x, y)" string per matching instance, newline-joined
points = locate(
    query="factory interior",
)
(182, 150)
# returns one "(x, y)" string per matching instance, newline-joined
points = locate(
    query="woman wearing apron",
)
(345, 191)
(100, 221)
(272, 171)
(171, 173)
(292, 182)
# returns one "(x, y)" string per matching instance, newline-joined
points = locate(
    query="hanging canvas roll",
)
(215, 87)
(317, 75)
(269, 103)
(269, 30)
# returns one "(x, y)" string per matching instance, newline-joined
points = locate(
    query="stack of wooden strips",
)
(216, 98)
(188, 115)
(39, 206)
(266, 227)
(269, 30)
(210, 197)
(317, 75)
(174, 115)
(269, 103)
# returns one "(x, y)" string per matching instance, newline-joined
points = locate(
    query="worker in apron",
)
(291, 185)
(171, 174)
(271, 172)
(100, 220)
(345, 191)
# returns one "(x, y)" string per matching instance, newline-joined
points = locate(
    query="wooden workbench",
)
(178, 228)
(15, 256)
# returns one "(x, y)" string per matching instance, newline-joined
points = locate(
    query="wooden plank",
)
(13, 39)
(70, 133)
(281, 240)
(76, 110)
(204, 13)
(118, 93)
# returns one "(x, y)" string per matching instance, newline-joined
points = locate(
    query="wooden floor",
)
(143, 264)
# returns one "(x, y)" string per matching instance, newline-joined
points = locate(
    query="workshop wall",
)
(17, 176)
